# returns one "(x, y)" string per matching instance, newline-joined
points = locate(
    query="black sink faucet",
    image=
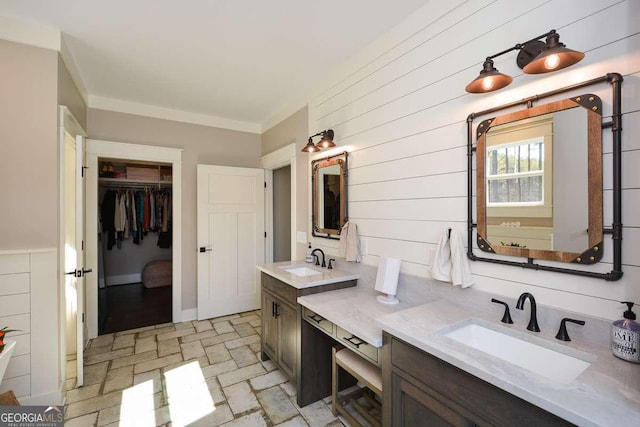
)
(533, 321)
(313, 252)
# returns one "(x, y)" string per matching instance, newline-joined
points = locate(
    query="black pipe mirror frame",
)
(615, 230)
(342, 160)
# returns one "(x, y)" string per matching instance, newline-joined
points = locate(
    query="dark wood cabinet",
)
(284, 341)
(414, 407)
(279, 337)
(269, 325)
(288, 338)
(427, 391)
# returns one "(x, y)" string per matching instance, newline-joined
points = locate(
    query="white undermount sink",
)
(552, 364)
(302, 271)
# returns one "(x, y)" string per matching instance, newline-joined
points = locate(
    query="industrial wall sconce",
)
(534, 57)
(325, 142)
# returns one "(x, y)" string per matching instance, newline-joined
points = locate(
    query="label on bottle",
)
(625, 344)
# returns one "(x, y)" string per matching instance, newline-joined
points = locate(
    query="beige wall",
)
(294, 128)
(69, 96)
(201, 144)
(28, 147)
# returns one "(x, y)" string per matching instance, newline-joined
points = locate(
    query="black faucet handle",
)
(506, 317)
(562, 334)
(330, 267)
(317, 259)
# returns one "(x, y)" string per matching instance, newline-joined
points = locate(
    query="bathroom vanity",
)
(285, 340)
(424, 390)
(444, 353)
(454, 361)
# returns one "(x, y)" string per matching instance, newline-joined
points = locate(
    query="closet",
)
(135, 224)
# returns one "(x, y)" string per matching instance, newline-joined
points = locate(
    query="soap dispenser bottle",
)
(309, 254)
(625, 336)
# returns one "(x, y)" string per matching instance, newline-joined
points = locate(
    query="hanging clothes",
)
(107, 217)
(147, 211)
(128, 214)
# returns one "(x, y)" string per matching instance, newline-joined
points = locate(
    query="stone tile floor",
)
(200, 373)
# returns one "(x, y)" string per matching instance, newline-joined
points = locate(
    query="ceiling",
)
(241, 60)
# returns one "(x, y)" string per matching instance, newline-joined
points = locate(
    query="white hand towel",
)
(450, 263)
(349, 242)
(460, 270)
(441, 263)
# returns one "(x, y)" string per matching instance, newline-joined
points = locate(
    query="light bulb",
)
(487, 83)
(551, 62)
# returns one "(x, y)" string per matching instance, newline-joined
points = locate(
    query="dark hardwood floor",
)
(133, 306)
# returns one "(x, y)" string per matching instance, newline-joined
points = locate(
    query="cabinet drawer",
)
(358, 345)
(318, 321)
(281, 289)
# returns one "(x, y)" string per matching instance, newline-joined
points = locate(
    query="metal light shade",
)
(310, 147)
(327, 139)
(554, 57)
(489, 79)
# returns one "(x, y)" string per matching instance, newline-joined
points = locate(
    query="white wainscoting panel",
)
(28, 303)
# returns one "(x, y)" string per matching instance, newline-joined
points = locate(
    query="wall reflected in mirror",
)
(329, 195)
(535, 173)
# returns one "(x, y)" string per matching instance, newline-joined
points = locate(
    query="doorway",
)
(282, 214)
(280, 165)
(142, 154)
(134, 244)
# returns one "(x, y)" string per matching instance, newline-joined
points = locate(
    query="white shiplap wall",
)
(29, 303)
(400, 108)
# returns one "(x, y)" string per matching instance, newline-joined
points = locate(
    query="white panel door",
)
(74, 251)
(230, 239)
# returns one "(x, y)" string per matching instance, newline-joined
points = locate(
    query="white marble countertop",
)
(353, 309)
(607, 393)
(324, 276)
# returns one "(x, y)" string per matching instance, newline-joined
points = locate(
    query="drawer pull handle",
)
(316, 318)
(353, 338)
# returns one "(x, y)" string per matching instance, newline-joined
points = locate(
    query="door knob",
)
(204, 249)
(79, 272)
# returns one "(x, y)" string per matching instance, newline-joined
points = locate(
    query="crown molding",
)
(120, 106)
(67, 58)
(30, 33)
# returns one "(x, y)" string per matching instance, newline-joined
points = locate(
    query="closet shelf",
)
(126, 181)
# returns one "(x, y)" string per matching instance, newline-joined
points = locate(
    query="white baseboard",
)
(189, 314)
(124, 279)
(53, 398)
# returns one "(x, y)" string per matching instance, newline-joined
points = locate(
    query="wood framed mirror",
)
(539, 185)
(539, 182)
(329, 195)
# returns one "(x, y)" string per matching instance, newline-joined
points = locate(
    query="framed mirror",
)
(329, 195)
(539, 185)
(539, 182)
